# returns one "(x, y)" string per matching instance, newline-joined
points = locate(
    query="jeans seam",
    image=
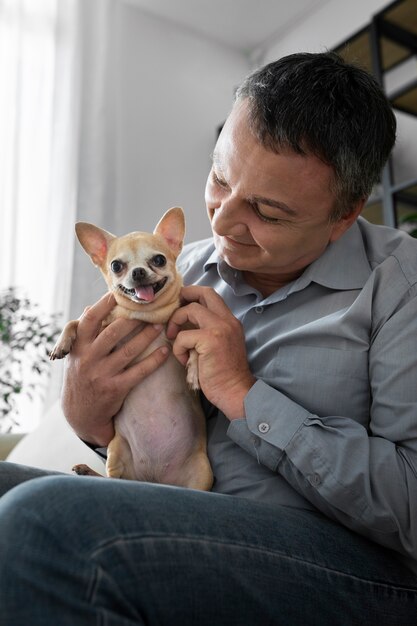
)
(235, 544)
(91, 589)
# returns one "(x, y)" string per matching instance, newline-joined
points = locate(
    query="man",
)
(305, 323)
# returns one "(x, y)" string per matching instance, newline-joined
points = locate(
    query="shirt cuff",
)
(102, 452)
(271, 422)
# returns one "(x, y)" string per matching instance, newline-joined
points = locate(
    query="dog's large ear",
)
(171, 227)
(94, 240)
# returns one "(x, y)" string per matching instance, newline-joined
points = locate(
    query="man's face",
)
(269, 212)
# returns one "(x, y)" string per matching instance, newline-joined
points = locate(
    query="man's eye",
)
(116, 266)
(218, 181)
(263, 216)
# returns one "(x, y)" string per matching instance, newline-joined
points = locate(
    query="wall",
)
(154, 95)
(325, 28)
(177, 89)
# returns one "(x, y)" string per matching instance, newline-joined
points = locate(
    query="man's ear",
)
(171, 227)
(94, 240)
(342, 225)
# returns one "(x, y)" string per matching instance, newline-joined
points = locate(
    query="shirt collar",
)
(213, 259)
(343, 265)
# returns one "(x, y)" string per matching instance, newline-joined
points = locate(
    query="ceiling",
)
(244, 25)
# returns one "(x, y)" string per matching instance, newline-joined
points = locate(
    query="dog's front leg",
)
(192, 371)
(65, 341)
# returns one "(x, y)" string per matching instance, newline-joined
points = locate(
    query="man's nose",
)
(230, 214)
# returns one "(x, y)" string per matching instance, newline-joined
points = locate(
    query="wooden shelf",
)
(405, 200)
(403, 14)
(373, 212)
(358, 50)
(407, 194)
(387, 41)
(405, 99)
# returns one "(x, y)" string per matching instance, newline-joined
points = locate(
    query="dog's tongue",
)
(145, 293)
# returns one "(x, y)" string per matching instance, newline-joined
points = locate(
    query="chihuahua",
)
(160, 433)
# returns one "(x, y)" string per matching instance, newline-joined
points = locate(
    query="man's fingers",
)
(133, 347)
(199, 316)
(195, 314)
(90, 321)
(113, 334)
(207, 297)
(187, 340)
(132, 376)
(204, 306)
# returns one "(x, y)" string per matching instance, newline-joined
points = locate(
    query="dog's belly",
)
(164, 426)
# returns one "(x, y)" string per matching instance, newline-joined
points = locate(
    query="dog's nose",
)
(138, 274)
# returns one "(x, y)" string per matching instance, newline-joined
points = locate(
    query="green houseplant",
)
(26, 338)
(409, 224)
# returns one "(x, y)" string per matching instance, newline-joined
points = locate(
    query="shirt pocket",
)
(325, 381)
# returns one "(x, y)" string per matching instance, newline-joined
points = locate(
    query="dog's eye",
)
(116, 266)
(159, 260)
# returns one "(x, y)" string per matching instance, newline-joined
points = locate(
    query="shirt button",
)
(263, 427)
(259, 309)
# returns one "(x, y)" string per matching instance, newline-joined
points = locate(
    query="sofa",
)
(7, 443)
(52, 445)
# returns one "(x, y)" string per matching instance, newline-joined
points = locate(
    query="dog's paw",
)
(192, 371)
(62, 347)
(83, 470)
(65, 341)
(58, 352)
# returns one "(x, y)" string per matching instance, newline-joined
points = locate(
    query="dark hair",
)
(318, 104)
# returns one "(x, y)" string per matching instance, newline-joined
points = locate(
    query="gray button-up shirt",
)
(331, 422)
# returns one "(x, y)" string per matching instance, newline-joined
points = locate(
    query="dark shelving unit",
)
(389, 40)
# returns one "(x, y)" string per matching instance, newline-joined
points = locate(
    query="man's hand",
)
(218, 338)
(98, 377)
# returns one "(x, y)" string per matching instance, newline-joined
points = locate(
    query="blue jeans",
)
(80, 551)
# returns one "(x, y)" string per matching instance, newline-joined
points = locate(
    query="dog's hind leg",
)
(119, 459)
(197, 473)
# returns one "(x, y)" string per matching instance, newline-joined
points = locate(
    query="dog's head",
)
(139, 268)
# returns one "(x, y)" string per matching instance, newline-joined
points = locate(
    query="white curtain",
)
(38, 155)
(52, 123)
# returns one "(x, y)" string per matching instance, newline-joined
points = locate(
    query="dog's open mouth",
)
(144, 293)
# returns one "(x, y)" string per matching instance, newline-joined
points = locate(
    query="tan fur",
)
(160, 430)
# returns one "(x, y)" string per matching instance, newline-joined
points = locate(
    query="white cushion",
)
(53, 445)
